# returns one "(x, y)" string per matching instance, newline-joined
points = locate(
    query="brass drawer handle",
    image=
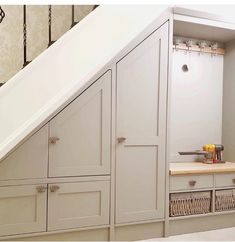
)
(41, 189)
(121, 139)
(53, 140)
(192, 183)
(54, 188)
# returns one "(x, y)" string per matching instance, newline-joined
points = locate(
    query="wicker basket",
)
(225, 200)
(190, 203)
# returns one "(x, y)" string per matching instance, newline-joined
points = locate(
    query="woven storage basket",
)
(225, 200)
(190, 203)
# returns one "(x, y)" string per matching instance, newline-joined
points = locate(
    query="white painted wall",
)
(196, 103)
(228, 137)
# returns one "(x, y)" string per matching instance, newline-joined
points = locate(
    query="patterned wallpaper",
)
(11, 32)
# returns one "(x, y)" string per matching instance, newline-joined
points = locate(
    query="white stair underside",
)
(64, 70)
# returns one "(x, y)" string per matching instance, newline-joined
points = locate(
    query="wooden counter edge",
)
(190, 172)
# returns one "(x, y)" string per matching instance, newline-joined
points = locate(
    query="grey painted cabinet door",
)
(23, 209)
(82, 132)
(79, 204)
(29, 160)
(141, 130)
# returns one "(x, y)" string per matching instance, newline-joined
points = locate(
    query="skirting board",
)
(139, 231)
(203, 223)
(143, 231)
(122, 233)
(84, 235)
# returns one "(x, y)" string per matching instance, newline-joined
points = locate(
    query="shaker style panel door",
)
(22, 209)
(80, 134)
(141, 130)
(29, 160)
(81, 204)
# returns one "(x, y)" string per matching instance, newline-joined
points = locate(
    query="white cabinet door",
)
(22, 209)
(82, 131)
(81, 204)
(30, 160)
(141, 127)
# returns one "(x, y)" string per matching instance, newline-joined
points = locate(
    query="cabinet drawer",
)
(79, 204)
(225, 180)
(190, 182)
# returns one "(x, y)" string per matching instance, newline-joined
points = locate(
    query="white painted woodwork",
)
(22, 210)
(141, 119)
(198, 28)
(28, 161)
(84, 132)
(208, 14)
(196, 103)
(79, 204)
(190, 182)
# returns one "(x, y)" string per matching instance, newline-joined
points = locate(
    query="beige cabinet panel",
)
(191, 182)
(225, 180)
(141, 125)
(22, 209)
(81, 204)
(83, 129)
(30, 160)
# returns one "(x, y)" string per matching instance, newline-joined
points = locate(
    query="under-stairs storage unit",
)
(86, 144)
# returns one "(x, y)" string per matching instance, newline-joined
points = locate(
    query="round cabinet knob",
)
(192, 183)
(54, 188)
(41, 189)
(53, 140)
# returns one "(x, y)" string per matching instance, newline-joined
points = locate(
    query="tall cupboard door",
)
(79, 204)
(80, 134)
(23, 209)
(141, 130)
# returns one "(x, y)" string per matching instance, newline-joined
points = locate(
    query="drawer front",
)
(225, 180)
(190, 182)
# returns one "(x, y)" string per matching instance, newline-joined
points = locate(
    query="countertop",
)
(186, 168)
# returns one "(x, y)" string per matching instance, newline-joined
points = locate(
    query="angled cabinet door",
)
(22, 209)
(80, 134)
(29, 160)
(81, 204)
(141, 130)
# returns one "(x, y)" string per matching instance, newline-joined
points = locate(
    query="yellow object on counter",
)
(209, 148)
